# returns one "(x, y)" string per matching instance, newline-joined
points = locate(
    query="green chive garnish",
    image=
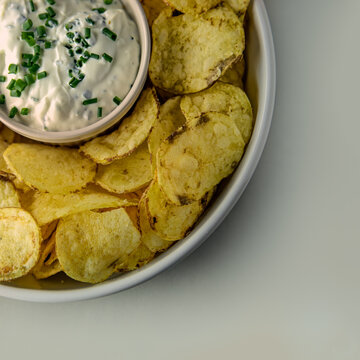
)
(51, 2)
(117, 100)
(99, 112)
(110, 34)
(32, 6)
(34, 69)
(47, 45)
(107, 57)
(100, 10)
(41, 31)
(20, 85)
(71, 52)
(25, 111)
(13, 112)
(87, 33)
(11, 85)
(69, 26)
(25, 35)
(90, 101)
(37, 50)
(95, 56)
(15, 93)
(90, 21)
(50, 11)
(13, 69)
(42, 75)
(51, 23)
(30, 79)
(43, 16)
(78, 50)
(2, 99)
(70, 35)
(2, 78)
(108, 2)
(27, 25)
(74, 82)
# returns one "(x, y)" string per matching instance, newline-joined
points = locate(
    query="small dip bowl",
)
(135, 10)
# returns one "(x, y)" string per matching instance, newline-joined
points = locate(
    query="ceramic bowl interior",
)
(135, 10)
(260, 86)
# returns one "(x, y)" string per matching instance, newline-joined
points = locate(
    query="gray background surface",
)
(280, 278)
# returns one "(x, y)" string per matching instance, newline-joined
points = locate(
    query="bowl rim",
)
(180, 250)
(70, 137)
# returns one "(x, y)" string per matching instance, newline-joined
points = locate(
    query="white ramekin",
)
(136, 11)
(261, 89)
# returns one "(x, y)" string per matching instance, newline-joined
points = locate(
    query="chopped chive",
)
(100, 10)
(30, 79)
(81, 76)
(25, 35)
(107, 57)
(95, 56)
(74, 82)
(31, 41)
(110, 34)
(13, 112)
(86, 55)
(11, 85)
(27, 25)
(32, 6)
(25, 111)
(15, 93)
(20, 85)
(84, 43)
(79, 63)
(90, 21)
(99, 112)
(47, 44)
(70, 35)
(71, 52)
(70, 73)
(117, 100)
(78, 39)
(2, 99)
(41, 31)
(69, 26)
(35, 59)
(37, 50)
(108, 2)
(78, 50)
(34, 69)
(51, 2)
(26, 56)
(43, 16)
(51, 23)
(50, 11)
(2, 78)
(84, 60)
(87, 33)
(13, 69)
(90, 101)
(42, 75)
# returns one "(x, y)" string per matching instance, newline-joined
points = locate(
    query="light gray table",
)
(280, 278)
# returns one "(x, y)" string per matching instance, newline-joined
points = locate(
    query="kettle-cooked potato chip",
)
(169, 221)
(239, 6)
(48, 229)
(138, 258)
(126, 175)
(235, 74)
(170, 119)
(50, 169)
(8, 195)
(46, 208)
(152, 9)
(191, 52)
(195, 159)
(131, 133)
(89, 245)
(193, 6)
(223, 98)
(4, 170)
(20, 243)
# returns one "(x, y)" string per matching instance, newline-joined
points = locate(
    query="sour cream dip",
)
(64, 64)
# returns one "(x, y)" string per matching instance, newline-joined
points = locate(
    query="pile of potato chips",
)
(116, 201)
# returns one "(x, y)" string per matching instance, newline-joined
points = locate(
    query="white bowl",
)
(261, 89)
(136, 11)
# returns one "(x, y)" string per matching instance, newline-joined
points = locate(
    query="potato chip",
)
(4, 170)
(193, 160)
(48, 264)
(126, 175)
(239, 6)
(8, 195)
(170, 119)
(152, 9)
(49, 169)
(148, 237)
(171, 222)
(223, 98)
(183, 59)
(235, 74)
(131, 133)
(21, 185)
(138, 258)
(48, 229)
(49, 207)
(19, 245)
(193, 6)
(89, 245)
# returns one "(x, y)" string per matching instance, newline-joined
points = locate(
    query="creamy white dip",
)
(51, 102)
